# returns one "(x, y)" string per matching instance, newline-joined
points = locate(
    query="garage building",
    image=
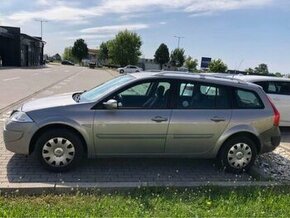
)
(18, 49)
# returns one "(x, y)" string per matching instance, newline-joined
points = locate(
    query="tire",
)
(59, 150)
(237, 155)
(121, 71)
(137, 71)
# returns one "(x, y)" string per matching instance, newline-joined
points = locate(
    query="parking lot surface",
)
(19, 169)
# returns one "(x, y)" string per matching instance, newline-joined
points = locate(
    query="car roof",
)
(211, 77)
(255, 78)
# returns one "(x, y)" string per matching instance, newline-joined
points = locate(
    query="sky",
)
(243, 33)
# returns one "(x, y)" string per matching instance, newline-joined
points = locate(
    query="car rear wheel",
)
(59, 150)
(238, 155)
(122, 71)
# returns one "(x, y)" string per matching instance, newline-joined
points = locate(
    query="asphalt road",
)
(18, 84)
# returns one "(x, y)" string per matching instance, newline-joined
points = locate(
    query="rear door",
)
(201, 113)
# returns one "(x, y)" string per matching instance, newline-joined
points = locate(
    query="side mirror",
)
(111, 104)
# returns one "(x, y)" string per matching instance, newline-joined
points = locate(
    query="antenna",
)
(178, 40)
(41, 22)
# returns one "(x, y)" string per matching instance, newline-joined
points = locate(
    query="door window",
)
(147, 95)
(139, 90)
(276, 88)
(202, 96)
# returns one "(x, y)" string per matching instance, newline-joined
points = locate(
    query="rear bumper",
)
(270, 140)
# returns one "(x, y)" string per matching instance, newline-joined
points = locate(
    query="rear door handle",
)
(159, 119)
(218, 119)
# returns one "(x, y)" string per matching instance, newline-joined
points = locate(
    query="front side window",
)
(245, 99)
(193, 95)
(146, 95)
(139, 90)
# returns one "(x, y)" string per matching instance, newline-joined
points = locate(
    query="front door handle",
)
(218, 119)
(159, 119)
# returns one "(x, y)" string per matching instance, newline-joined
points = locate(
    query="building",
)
(148, 64)
(18, 49)
(93, 55)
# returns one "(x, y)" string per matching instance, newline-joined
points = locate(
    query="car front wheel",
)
(59, 150)
(238, 155)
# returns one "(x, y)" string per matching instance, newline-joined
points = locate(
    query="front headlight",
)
(20, 117)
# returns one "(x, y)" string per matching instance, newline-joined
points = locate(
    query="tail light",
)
(276, 118)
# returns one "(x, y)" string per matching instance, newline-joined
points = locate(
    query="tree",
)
(124, 49)
(177, 57)
(191, 64)
(278, 74)
(162, 55)
(67, 54)
(249, 71)
(218, 66)
(80, 50)
(262, 69)
(104, 52)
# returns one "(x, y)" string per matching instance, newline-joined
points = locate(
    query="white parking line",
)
(12, 78)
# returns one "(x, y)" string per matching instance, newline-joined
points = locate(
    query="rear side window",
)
(245, 99)
(194, 95)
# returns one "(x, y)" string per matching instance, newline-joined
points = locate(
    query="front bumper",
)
(17, 136)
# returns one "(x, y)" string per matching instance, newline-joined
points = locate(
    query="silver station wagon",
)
(149, 114)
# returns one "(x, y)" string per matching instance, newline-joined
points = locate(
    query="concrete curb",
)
(69, 188)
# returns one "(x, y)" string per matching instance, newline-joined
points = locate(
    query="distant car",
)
(66, 62)
(92, 64)
(278, 89)
(130, 69)
(182, 69)
(149, 114)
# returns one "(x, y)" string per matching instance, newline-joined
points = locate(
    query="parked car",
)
(170, 114)
(66, 62)
(278, 89)
(182, 69)
(129, 69)
(92, 64)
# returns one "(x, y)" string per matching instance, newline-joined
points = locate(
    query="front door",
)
(139, 125)
(202, 112)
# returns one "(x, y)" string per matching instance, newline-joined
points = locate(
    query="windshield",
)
(103, 89)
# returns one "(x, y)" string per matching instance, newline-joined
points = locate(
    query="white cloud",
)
(114, 29)
(88, 36)
(66, 11)
(60, 13)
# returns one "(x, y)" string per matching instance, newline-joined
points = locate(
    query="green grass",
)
(246, 202)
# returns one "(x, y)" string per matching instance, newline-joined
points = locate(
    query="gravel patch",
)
(275, 165)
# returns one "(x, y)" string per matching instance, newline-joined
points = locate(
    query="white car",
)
(278, 89)
(129, 69)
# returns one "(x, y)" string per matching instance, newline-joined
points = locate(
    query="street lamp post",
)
(178, 40)
(41, 24)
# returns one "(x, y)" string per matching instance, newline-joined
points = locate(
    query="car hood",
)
(49, 102)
